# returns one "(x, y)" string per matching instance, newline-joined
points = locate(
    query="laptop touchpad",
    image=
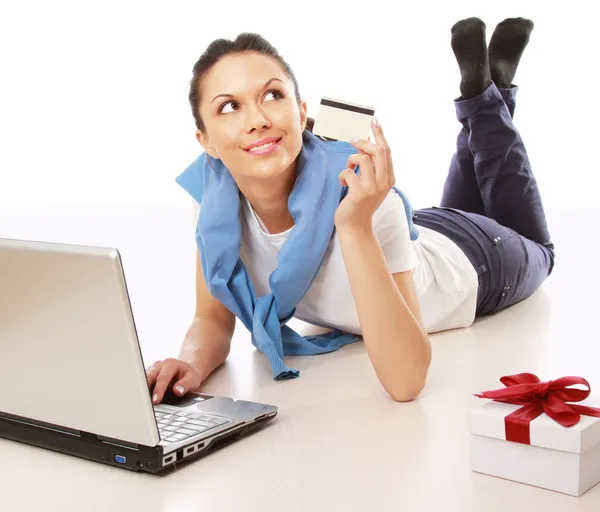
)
(170, 398)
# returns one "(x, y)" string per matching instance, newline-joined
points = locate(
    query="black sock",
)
(506, 47)
(469, 47)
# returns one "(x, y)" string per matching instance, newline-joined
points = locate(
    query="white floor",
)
(339, 442)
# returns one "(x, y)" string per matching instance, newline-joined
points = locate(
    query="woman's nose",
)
(256, 119)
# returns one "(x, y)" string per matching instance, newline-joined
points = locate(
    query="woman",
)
(486, 248)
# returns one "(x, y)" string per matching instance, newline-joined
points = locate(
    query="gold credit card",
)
(341, 120)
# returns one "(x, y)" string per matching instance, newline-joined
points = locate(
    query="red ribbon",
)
(538, 397)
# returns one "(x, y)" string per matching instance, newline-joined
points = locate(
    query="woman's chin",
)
(269, 173)
(272, 168)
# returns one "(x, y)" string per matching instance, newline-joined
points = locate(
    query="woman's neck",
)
(275, 215)
(269, 199)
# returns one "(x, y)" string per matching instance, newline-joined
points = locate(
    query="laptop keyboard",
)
(178, 426)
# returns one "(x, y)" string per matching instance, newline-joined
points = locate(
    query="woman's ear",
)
(303, 114)
(204, 142)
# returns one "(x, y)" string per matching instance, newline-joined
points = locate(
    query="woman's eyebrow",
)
(231, 95)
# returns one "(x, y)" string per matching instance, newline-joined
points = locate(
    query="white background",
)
(93, 95)
(95, 123)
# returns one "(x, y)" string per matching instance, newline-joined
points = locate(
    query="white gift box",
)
(562, 459)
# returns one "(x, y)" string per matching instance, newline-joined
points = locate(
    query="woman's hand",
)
(367, 191)
(162, 373)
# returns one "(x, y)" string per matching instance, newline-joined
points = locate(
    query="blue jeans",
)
(491, 205)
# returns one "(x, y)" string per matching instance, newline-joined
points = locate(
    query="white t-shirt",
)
(445, 280)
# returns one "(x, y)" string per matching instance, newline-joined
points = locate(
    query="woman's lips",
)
(265, 150)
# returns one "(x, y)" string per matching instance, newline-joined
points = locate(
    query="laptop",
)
(72, 376)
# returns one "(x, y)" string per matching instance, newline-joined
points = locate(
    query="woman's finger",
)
(152, 372)
(367, 172)
(378, 134)
(190, 380)
(381, 141)
(377, 153)
(348, 178)
(163, 380)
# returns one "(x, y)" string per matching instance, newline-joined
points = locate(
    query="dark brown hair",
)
(219, 48)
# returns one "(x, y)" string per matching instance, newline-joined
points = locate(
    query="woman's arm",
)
(389, 315)
(387, 305)
(205, 347)
(208, 340)
(207, 343)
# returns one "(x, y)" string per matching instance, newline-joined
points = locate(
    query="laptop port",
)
(192, 449)
(170, 459)
(120, 459)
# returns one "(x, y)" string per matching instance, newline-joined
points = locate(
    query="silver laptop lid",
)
(69, 353)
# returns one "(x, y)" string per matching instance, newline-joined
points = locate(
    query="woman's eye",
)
(222, 109)
(277, 94)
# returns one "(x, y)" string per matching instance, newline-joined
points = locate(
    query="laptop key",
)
(200, 417)
(187, 431)
(196, 423)
(198, 428)
(175, 438)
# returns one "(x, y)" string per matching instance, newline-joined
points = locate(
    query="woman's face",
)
(246, 97)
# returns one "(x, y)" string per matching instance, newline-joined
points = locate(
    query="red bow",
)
(538, 397)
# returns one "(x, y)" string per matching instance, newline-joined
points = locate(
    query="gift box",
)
(532, 433)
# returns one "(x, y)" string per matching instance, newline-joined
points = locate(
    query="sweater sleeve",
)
(392, 231)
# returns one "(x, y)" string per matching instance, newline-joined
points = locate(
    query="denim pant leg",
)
(461, 189)
(508, 188)
(510, 98)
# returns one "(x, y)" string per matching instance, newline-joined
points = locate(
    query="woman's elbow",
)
(405, 381)
(408, 390)
(406, 393)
